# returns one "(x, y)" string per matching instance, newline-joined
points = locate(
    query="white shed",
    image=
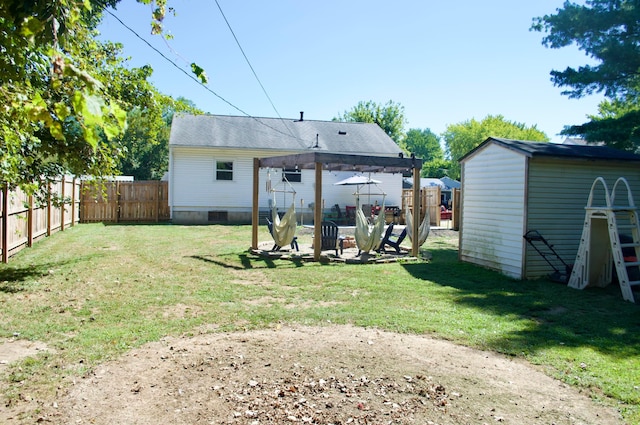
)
(511, 187)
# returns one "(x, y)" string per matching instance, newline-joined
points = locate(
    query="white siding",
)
(493, 199)
(193, 186)
(557, 194)
(390, 184)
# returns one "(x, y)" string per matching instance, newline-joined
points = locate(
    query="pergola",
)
(319, 161)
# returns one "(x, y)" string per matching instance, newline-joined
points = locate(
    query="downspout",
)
(317, 214)
(525, 220)
(254, 208)
(170, 188)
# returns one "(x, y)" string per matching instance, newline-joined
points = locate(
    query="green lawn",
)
(93, 292)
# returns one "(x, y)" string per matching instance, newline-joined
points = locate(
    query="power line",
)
(246, 58)
(248, 62)
(199, 82)
(176, 65)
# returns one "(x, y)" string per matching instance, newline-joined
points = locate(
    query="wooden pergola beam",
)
(320, 161)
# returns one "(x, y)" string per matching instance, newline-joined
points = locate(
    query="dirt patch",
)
(318, 375)
(13, 349)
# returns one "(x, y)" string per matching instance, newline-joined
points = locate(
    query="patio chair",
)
(276, 247)
(392, 240)
(339, 217)
(350, 214)
(330, 238)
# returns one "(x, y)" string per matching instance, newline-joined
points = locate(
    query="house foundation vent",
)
(218, 217)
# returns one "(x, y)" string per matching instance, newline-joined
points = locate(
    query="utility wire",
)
(248, 62)
(198, 81)
(246, 58)
(176, 65)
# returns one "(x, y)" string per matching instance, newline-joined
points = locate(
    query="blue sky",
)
(445, 62)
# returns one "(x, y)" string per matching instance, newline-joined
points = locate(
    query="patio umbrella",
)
(356, 181)
(359, 181)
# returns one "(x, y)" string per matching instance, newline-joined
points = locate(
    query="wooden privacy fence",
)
(25, 220)
(125, 202)
(430, 199)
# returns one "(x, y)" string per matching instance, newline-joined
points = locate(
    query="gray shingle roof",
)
(280, 134)
(543, 149)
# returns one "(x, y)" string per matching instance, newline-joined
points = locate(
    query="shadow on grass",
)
(597, 318)
(246, 261)
(13, 279)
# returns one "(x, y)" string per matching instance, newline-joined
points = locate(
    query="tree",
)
(64, 94)
(617, 124)
(55, 110)
(463, 137)
(146, 139)
(390, 117)
(437, 168)
(608, 31)
(426, 145)
(423, 143)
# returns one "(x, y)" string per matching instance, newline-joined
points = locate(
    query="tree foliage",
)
(617, 124)
(390, 117)
(425, 144)
(146, 140)
(608, 31)
(463, 137)
(55, 110)
(437, 168)
(64, 94)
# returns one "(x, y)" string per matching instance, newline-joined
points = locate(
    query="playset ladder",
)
(601, 244)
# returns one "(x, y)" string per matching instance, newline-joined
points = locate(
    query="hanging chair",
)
(368, 237)
(283, 229)
(423, 229)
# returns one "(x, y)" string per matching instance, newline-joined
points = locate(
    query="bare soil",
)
(307, 375)
(316, 375)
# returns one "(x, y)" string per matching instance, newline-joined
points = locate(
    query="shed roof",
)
(243, 132)
(544, 149)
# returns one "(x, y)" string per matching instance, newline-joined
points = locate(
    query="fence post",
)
(5, 220)
(456, 209)
(117, 201)
(48, 209)
(73, 202)
(30, 222)
(83, 202)
(62, 183)
(157, 209)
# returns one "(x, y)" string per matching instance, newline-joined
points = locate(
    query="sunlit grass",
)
(94, 292)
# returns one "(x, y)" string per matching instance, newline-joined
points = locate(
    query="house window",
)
(292, 175)
(224, 170)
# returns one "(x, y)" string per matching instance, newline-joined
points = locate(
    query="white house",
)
(211, 165)
(512, 187)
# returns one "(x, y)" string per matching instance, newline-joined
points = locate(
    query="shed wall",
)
(557, 194)
(493, 199)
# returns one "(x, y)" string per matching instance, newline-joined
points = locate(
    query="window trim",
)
(292, 172)
(223, 171)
